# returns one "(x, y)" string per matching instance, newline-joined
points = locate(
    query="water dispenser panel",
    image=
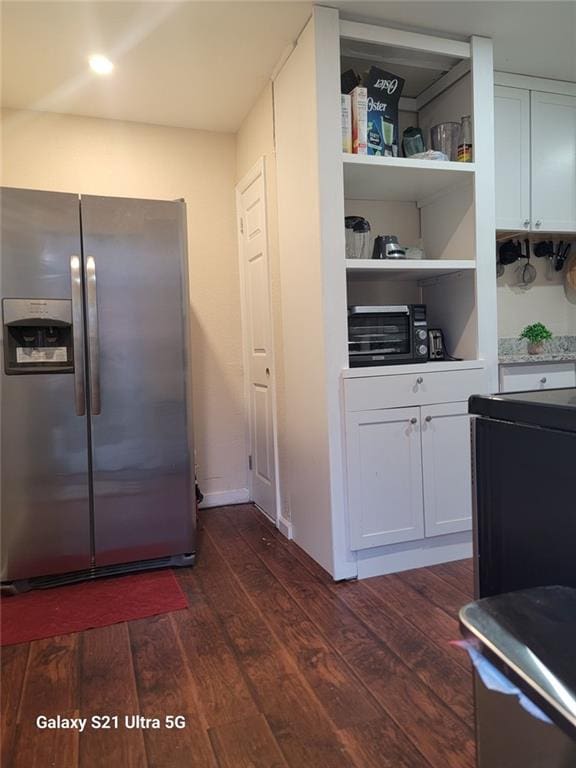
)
(37, 336)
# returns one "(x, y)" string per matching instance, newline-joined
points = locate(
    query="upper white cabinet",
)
(553, 162)
(512, 157)
(535, 159)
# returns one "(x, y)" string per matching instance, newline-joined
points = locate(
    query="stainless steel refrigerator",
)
(94, 394)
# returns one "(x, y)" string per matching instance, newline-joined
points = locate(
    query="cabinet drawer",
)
(396, 391)
(519, 378)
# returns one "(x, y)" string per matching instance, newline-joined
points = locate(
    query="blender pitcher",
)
(357, 237)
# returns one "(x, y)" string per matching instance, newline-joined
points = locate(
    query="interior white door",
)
(512, 157)
(257, 332)
(446, 463)
(553, 162)
(384, 477)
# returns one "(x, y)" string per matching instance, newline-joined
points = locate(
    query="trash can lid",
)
(530, 636)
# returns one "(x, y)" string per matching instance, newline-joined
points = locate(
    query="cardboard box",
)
(359, 97)
(346, 105)
(383, 94)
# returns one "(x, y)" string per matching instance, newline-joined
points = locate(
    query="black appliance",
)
(387, 334)
(525, 491)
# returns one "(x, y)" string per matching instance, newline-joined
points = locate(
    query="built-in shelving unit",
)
(382, 455)
(406, 269)
(400, 179)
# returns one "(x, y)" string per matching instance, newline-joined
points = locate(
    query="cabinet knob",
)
(419, 380)
(538, 223)
(428, 418)
(413, 420)
(543, 380)
(267, 371)
(526, 223)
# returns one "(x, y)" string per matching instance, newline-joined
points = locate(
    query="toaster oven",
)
(386, 335)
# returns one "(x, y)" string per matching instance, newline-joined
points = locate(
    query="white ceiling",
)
(190, 64)
(202, 64)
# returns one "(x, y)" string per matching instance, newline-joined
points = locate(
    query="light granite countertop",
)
(560, 349)
(559, 357)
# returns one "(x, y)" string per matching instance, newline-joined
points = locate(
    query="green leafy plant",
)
(536, 333)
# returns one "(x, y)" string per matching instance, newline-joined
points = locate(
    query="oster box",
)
(383, 94)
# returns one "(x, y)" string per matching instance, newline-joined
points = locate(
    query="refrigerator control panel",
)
(37, 336)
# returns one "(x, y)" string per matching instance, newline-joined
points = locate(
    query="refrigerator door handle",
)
(78, 342)
(93, 347)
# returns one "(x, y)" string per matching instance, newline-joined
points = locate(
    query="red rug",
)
(98, 603)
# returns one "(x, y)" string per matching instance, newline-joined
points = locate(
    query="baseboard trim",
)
(419, 557)
(285, 527)
(223, 498)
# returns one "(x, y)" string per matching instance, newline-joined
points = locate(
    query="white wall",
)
(544, 301)
(105, 157)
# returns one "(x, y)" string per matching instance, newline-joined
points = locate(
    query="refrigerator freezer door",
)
(134, 256)
(44, 449)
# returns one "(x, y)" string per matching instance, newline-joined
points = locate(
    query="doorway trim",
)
(258, 169)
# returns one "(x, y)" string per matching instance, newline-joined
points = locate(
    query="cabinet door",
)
(384, 477)
(512, 157)
(446, 462)
(553, 162)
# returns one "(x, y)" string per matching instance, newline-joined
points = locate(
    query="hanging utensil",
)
(528, 272)
(509, 252)
(561, 255)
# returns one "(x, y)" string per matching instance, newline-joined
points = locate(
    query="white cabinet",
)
(446, 467)
(384, 477)
(512, 157)
(524, 377)
(553, 162)
(408, 474)
(535, 160)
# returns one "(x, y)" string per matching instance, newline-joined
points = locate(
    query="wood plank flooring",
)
(273, 665)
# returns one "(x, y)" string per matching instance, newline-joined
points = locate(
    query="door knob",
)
(428, 418)
(413, 420)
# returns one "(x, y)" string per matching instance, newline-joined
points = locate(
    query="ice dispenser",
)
(37, 336)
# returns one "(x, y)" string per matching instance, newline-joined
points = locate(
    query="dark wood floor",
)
(273, 665)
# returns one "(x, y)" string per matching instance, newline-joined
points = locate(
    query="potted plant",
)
(536, 334)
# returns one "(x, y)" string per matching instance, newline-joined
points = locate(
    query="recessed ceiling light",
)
(100, 64)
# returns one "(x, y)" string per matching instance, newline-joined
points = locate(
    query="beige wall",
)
(105, 157)
(255, 139)
(544, 301)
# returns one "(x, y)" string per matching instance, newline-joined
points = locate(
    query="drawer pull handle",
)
(413, 420)
(543, 380)
(428, 418)
(419, 380)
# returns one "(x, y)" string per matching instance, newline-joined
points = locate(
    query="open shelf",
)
(370, 177)
(407, 269)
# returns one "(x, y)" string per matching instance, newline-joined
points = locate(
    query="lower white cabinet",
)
(384, 477)
(523, 377)
(408, 473)
(446, 468)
